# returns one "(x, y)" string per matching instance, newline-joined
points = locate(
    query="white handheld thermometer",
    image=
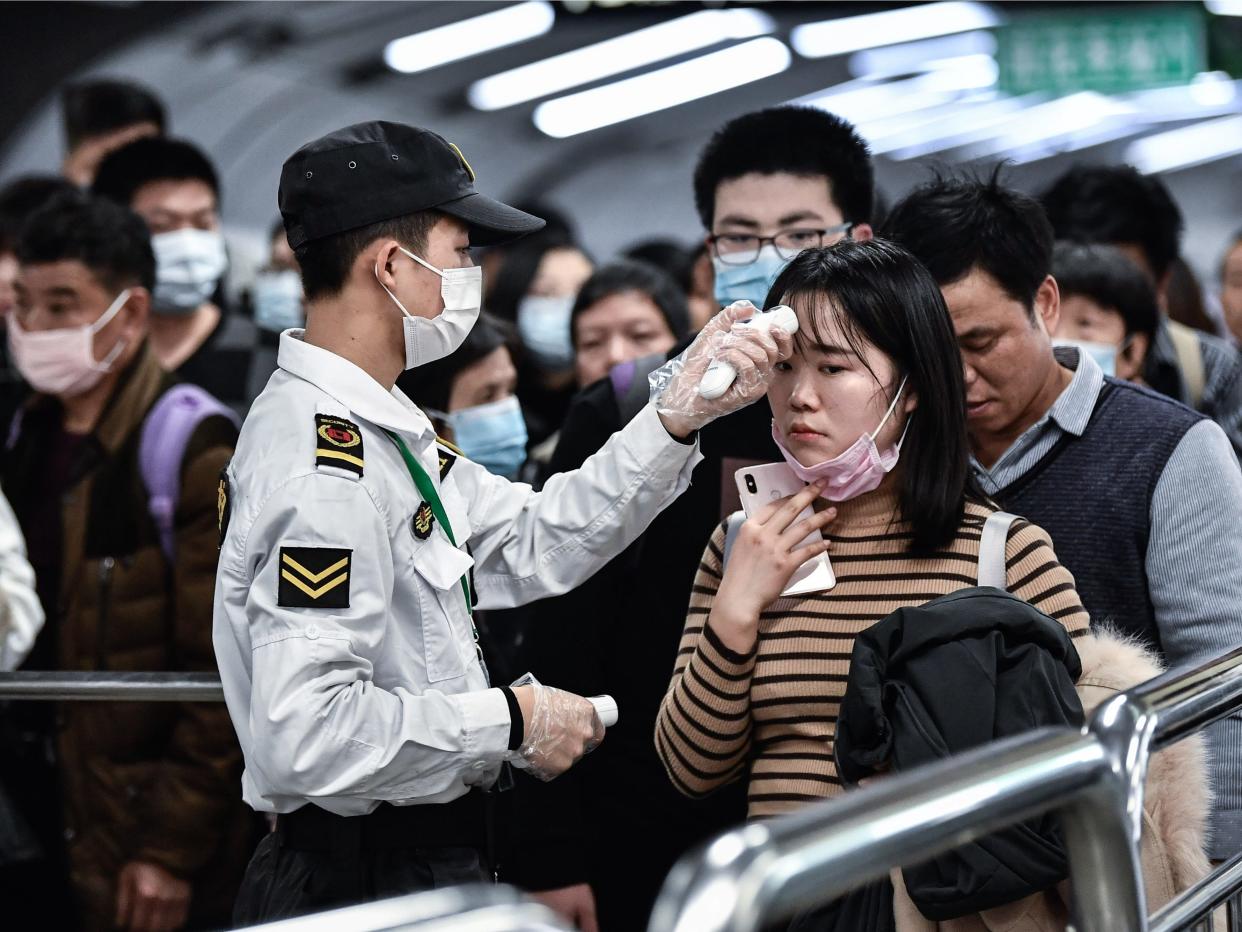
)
(606, 709)
(720, 375)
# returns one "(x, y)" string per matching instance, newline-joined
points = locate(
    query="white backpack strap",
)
(992, 550)
(733, 524)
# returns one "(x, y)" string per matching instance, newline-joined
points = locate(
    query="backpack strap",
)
(166, 433)
(733, 524)
(992, 550)
(1189, 360)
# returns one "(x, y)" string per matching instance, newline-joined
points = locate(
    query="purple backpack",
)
(166, 433)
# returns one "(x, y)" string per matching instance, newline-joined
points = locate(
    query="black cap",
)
(376, 171)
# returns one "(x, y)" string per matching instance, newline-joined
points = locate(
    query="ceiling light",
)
(909, 24)
(1224, 7)
(614, 56)
(1188, 146)
(666, 87)
(911, 57)
(468, 37)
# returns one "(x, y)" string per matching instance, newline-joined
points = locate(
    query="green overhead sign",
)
(1125, 48)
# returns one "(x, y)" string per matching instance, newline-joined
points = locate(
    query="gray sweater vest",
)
(1093, 494)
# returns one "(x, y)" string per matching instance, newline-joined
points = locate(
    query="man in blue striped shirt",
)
(1142, 496)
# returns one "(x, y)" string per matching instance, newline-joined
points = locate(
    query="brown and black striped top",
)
(772, 714)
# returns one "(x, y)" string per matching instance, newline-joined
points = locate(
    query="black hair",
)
(154, 158)
(107, 238)
(1104, 275)
(22, 197)
(431, 385)
(326, 262)
(518, 269)
(954, 225)
(788, 140)
(880, 294)
(93, 108)
(630, 275)
(1116, 204)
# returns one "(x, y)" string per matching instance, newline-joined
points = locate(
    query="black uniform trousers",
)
(316, 860)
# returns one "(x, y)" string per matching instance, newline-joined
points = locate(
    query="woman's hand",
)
(765, 554)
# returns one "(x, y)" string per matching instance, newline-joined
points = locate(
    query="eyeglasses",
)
(743, 248)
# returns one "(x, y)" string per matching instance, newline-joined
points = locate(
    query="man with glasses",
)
(599, 841)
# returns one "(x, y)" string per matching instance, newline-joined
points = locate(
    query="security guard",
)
(355, 546)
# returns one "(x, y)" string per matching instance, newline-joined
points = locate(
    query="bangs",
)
(830, 323)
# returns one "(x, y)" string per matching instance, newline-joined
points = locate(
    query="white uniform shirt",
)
(21, 615)
(343, 639)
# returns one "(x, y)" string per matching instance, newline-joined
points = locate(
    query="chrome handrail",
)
(48, 685)
(467, 908)
(1094, 778)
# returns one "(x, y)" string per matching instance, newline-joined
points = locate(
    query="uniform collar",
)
(351, 386)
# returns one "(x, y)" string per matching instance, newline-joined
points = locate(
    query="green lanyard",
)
(426, 488)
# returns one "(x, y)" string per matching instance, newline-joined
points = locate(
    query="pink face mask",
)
(62, 361)
(858, 470)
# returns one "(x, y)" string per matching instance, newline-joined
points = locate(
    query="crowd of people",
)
(989, 390)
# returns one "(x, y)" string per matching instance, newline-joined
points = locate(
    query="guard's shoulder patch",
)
(448, 454)
(338, 443)
(224, 506)
(314, 577)
(424, 520)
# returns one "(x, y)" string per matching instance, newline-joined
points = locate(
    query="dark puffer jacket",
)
(140, 781)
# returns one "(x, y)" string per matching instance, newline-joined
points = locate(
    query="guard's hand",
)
(560, 729)
(150, 899)
(752, 352)
(576, 905)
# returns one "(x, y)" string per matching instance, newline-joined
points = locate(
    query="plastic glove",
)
(560, 729)
(753, 353)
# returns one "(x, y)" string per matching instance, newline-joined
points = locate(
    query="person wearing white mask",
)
(173, 186)
(124, 584)
(276, 304)
(356, 546)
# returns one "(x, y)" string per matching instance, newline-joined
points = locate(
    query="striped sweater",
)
(772, 713)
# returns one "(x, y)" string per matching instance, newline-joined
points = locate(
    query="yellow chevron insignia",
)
(314, 577)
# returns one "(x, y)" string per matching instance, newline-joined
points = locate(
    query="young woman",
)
(872, 408)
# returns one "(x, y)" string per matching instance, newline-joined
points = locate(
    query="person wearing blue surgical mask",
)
(761, 212)
(470, 396)
(533, 291)
(1109, 308)
(276, 304)
(173, 186)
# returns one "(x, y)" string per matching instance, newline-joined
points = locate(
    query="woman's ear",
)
(138, 313)
(911, 402)
(1132, 357)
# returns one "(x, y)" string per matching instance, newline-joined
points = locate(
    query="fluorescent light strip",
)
(1188, 146)
(614, 56)
(666, 87)
(909, 24)
(468, 37)
(912, 57)
(1224, 7)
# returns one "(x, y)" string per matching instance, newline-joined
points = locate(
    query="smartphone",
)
(758, 486)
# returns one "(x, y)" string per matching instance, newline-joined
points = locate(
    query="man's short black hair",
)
(107, 238)
(1116, 204)
(1105, 276)
(954, 225)
(789, 140)
(93, 108)
(123, 172)
(325, 262)
(22, 197)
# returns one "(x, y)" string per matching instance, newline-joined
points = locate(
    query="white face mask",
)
(278, 300)
(543, 324)
(429, 340)
(1105, 354)
(62, 361)
(188, 266)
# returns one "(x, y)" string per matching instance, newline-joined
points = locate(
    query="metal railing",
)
(124, 687)
(475, 908)
(1094, 779)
